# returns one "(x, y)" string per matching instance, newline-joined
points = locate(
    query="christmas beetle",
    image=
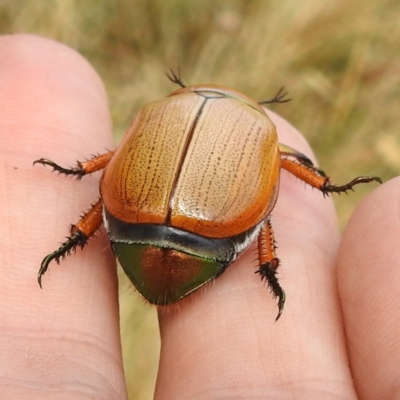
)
(192, 184)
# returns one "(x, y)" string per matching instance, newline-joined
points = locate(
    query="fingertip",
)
(50, 97)
(369, 288)
(54, 105)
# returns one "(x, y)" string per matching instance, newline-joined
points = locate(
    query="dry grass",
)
(340, 61)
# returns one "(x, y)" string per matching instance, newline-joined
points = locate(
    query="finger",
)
(62, 341)
(224, 341)
(369, 284)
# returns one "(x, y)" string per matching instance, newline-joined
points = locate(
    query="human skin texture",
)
(338, 337)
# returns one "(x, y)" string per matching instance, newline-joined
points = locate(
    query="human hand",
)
(223, 342)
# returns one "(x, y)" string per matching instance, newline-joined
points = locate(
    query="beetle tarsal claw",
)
(268, 272)
(328, 188)
(281, 303)
(77, 239)
(78, 171)
(43, 267)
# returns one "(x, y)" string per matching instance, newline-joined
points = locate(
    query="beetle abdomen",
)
(165, 263)
(198, 161)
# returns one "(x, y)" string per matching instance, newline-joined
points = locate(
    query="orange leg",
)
(80, 234)
(317, 178)
(83, 168)
(269, 263)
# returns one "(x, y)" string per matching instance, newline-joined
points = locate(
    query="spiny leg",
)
(80, 234)
(302, 168)
(269, 264)
(83, 168)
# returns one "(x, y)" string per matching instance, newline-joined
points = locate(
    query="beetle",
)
(190, 187)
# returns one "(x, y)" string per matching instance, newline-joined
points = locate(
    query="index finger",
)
(64, 338)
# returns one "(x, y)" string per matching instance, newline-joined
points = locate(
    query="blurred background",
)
(338, 59)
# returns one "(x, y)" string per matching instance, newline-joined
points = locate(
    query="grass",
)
(339, 60)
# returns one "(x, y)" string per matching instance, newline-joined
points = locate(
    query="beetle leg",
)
(316, 177)
(269, 264)
(80, 233)
(83, 168)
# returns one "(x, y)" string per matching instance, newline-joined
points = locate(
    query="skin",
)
(338, 337)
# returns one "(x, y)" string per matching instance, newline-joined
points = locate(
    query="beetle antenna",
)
(175, 77)
(278, 98)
